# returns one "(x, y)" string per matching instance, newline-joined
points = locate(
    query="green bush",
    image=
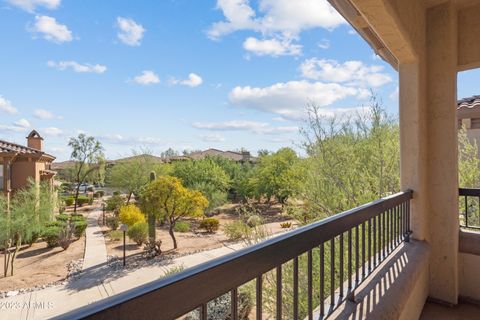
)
(51, 235)
(57, 223)
(69, 201)
(33, 238)
(254, 221)
(77, 217)
(62, 217)
(79, 228)
(99, 194)
(210, 224)
(82, 200)
(112, 223)
(237, 230)
(138, 232)
(182, 226)
(116, 193)
(90, 189)
(114, 203)
(115, 235)
(130, 215)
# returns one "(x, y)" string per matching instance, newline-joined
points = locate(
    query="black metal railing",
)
(469, 208)
(320, 265)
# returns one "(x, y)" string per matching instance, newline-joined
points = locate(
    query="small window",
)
(475, 123)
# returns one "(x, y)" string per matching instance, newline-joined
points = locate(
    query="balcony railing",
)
(469, 208)
(348, 247)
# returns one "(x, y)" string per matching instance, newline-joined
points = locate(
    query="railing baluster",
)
(357, 245)
(384, 232)
(259, 297)
(322, 280)
(295, 288)
(341, 265)
(203, 312)
(389, 230)
(374, 236)
(466, 212)
(279, 292)
(397, 228)
(332, 272)
(234, 304)
(369, 245)
(310, 285)
(408, 221)
(350, 260)
(392, 231)
(363, 251)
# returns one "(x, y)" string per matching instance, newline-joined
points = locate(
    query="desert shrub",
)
(65, 236)
(59, 224)
(116, 193)
(99, 194)
(181, 226)
(237, 230)
(51, 235)
(131, 214)
(138, 232)
(220, 308)
(62, 217)
(115, 235)
(77, 217)
(254, 221)
(82, 200)
(112, 223)
(286, 225)
(210, 224)
(173, 271)
(91, 189)
(69, 201)
(34, 237)
(114, 202)
(79, 227)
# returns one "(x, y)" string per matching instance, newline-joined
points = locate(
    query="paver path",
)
(94, 284)
(95, 249)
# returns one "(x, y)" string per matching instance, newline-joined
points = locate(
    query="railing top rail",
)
(211, 279)
(474, 192)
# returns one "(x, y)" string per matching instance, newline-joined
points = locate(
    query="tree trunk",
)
(76, 198)
(129, 197)
(152, 235)
(172, 234)
(17, 248)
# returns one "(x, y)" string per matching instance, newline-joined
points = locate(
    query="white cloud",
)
(52, 131)
(212, 138)
(131, 32)
(289, 99)
(324, 44)
(44, 114)
(51, 30)
(23, 123)
(12, 128)
(146, 78)
(349, 72)
(244, 125)
(394, 95)
(194, 80)
(272, 47)
(31, 5)
(6, 106)
(279, 21)
(283, 16)
(77, 67)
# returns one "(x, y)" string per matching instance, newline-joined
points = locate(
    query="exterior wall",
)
(21, 171)
(468, 274)
(468, 44)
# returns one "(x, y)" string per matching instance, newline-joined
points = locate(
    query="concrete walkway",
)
(94, 284)
(95, 249)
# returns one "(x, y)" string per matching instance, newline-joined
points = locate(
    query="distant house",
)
(468, 114)
(243, 156)
(19, 163)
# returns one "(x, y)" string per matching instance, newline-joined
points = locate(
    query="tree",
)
(277, 175)
(468, 161)
(22, 220)
(205, 176)
(167, 197)
(87, 154)
(133, 174)
(169, 153)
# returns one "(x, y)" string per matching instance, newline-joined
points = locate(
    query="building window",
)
(2, 180)
(475, 123)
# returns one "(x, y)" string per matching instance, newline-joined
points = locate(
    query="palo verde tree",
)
(22, 219)
(167, 198)
(87, 154)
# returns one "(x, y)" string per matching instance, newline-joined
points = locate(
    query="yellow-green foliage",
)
(131, 214)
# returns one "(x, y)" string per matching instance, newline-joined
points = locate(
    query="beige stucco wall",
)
(21, 171)
(469, 266)
(468, 37)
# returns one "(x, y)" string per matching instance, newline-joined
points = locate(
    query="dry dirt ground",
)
(198, 240)
(39, 265)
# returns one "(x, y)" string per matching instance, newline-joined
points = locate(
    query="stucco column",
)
(442, 161)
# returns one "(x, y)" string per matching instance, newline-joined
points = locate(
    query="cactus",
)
(153, 176)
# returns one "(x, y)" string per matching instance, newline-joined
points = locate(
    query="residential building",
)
(468, 114)
(20, 163)
(243, 156)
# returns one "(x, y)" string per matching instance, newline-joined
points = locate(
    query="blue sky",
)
(181, 73)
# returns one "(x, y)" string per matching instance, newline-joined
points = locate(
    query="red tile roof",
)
(9, 147)
(470, 102)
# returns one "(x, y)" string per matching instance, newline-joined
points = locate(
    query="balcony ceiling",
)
(460, 3)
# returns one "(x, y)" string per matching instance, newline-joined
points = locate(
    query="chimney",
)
(35, 141)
